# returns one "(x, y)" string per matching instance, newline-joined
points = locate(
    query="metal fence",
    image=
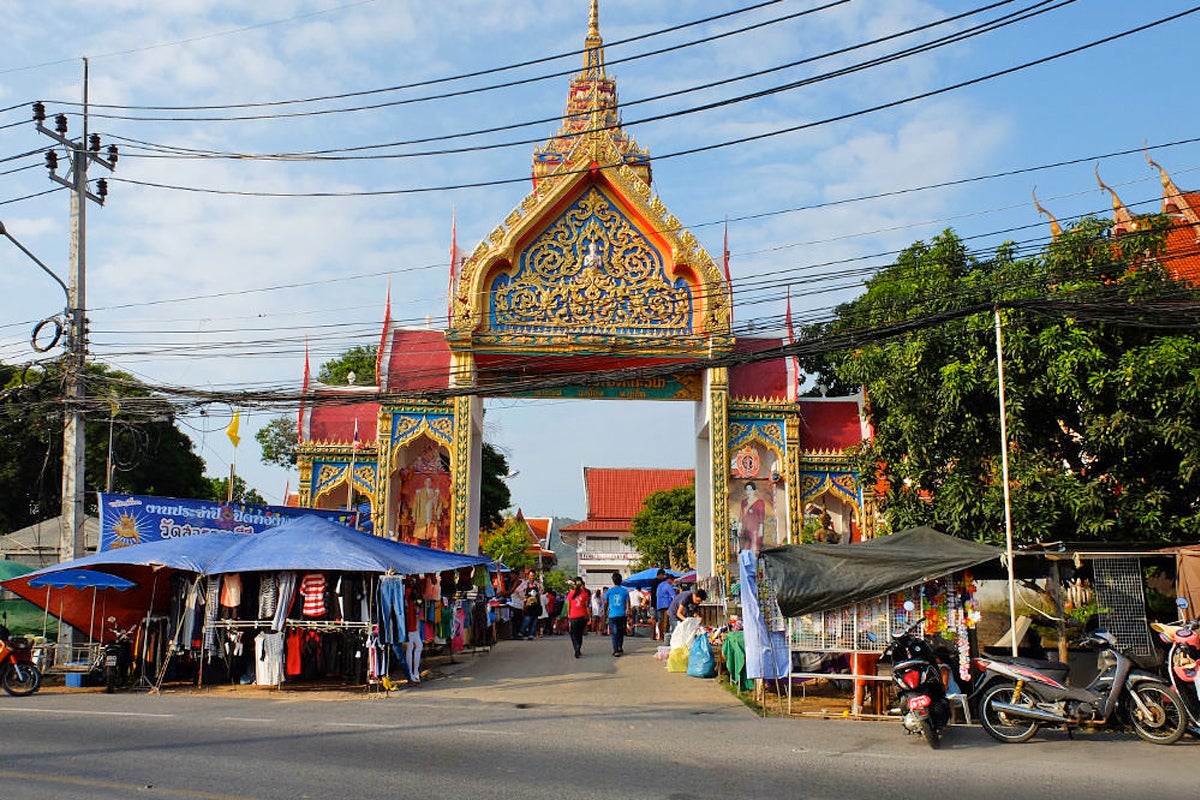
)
(846, 629)
(1122, 602)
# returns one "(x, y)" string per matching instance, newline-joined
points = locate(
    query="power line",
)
(471, 91)
(157, 150)
(448, 78)
(692, 150)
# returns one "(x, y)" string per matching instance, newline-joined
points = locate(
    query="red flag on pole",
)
(728, 277)
(793, 364)
(453, 264)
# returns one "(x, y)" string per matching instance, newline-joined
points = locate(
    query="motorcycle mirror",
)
(111, 620)
(909, 605)
(1182, 602)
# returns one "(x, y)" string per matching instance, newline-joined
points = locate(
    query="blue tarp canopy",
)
(80, 579)
(303, 543)
(645, 579)
(190, 553)
(312, 543)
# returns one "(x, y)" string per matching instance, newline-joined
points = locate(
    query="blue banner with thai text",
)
(127, 519)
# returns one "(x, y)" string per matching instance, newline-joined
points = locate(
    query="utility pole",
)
(82, 152)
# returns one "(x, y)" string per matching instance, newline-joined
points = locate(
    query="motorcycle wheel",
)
(22, 682)
(1164, 720)
(110, 679)
(1004, 727)
(933, 737)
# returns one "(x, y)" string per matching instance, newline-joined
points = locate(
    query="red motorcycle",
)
(18, 674)
(1183, 661)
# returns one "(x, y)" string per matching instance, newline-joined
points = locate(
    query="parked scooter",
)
(18, 674)
(1020, 695)
(1183, 661)
(117, 657)
(918, 676)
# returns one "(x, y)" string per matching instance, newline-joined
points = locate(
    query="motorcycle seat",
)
(1052, 669)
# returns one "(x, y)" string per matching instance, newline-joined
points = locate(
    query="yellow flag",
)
(232, 430)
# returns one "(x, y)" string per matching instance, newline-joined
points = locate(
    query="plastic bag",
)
(700, 660)
(677, 661)
(684, 633)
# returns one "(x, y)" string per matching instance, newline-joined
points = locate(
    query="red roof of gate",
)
(762, 380)
(416, 359)
(829, 424)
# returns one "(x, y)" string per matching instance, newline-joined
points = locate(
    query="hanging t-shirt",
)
(231, 590)
(312, 589)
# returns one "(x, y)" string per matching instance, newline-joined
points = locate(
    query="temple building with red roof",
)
(589, 288)
(613, 497)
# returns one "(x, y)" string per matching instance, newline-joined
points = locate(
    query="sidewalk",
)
(545, 672)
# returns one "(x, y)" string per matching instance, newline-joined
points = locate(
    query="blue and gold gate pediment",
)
(327, 474)
(591, 271)
(407, 426)
(841, 484)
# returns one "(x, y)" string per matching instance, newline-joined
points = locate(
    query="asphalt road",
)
(529, 721)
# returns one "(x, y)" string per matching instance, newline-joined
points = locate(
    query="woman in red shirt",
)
(579, 602)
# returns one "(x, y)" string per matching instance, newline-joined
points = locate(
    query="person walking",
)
(579, 602)
(531, 610)
(543, 624)
(617, 600)
(597, 611)
(663, 595)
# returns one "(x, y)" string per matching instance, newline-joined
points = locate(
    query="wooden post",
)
(1060, 623)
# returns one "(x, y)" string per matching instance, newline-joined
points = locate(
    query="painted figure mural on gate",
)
(423, 512)
(757, 498)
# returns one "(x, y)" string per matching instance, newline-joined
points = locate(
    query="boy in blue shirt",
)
(617, 601)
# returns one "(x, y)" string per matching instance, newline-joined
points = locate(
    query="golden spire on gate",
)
(592, 112)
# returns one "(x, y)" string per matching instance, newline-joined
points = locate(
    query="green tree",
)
(495, 497)
(557, 581)
(278, 440)
(150, 454)
(218, 489)
(665, 529)
(509, 543)
(1103, 424)
(358, 359)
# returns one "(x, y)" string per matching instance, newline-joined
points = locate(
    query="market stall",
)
(307, 599)
(849, 600)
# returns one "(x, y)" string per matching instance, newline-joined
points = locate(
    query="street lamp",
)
(71, 540)
(66, 292)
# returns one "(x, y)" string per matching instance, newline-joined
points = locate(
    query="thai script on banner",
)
(127, 519)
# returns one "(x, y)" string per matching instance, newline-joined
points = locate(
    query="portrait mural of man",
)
(423, 515)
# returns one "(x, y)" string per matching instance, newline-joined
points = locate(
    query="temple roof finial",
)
(1121, 215)
(593, 45)
(1055, 229)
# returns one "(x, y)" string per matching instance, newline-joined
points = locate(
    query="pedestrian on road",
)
(597, 611)
(532, 610)
(543, 625)
(579, 602)
(663, 595)
(618, 609)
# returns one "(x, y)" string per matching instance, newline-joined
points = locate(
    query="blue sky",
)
(220, 291)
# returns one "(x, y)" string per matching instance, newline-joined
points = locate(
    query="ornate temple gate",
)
(589, 274)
